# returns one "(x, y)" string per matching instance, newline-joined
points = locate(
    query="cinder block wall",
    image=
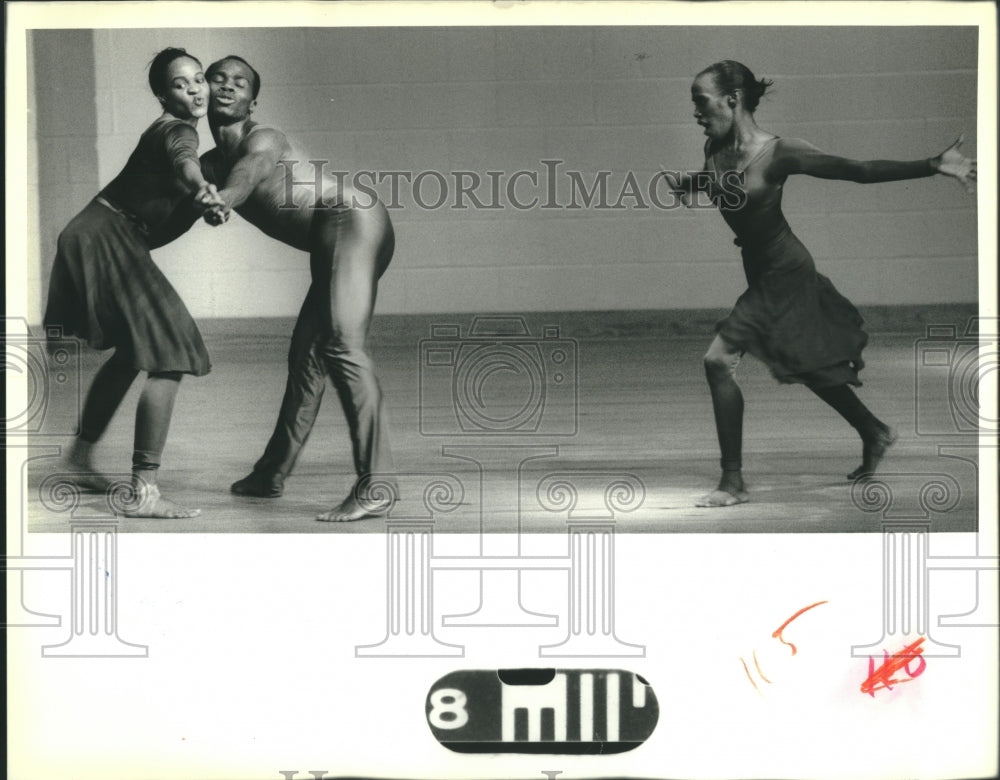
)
(614, 99)
(62, 147)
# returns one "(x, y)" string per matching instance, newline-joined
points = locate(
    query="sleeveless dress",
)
(105, 287)
(791, 317)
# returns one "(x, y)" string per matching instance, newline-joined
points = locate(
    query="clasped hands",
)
(213, 208)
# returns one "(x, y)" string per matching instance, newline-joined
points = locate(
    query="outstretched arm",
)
(181, 142)
(204, 202)
(264, 149)
(794, 156)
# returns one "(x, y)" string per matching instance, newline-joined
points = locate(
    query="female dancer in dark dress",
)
(106, 289)
(790, 317)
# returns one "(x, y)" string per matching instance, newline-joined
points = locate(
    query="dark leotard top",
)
(759, 220)
(149, 187)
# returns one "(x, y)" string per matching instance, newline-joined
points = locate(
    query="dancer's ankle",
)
(144, 477)
(731, 480)
(872, 428)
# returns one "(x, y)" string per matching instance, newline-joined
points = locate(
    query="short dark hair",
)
(256, 75)
(159, 64)
(730, 76)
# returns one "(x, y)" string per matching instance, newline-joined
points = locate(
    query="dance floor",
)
(507, 435)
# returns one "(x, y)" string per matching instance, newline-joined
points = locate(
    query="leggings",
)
(350, 249)
(152, 416)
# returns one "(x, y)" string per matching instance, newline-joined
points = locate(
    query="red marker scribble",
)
(745, 669)
(882, 678)
(777, 634)
(760, 671)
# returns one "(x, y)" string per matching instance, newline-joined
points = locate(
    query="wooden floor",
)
(643, 419)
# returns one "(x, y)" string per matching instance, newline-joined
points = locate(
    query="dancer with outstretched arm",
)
(791, 317)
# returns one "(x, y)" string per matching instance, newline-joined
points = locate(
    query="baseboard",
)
(584, 325)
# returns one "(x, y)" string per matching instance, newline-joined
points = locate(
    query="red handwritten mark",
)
(747, 670)
(777, 634)
(882, 678)
(760, 671)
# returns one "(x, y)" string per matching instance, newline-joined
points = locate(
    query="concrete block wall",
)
(598, 99)
(62, 147)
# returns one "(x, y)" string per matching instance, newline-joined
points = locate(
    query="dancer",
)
(106, 289)
(268, 181)
(790, 317)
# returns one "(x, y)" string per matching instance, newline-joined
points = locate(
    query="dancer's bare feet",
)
(354, 507)
(147, 502)
(874, 447)
(259, 485)
(722, 498)
(730, 492)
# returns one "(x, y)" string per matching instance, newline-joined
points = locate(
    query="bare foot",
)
(729, 492)
(722, 497)
(873, 450)
(260, 485)
(149, 503)
(356, 508)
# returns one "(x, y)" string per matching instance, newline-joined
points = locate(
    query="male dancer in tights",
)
(262, 174)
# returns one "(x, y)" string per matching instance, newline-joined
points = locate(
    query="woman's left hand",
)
(952, 162)
(217, 215)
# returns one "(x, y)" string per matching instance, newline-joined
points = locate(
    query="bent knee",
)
(349, 333)
(714, 360)
(719, 364)
(347, 346)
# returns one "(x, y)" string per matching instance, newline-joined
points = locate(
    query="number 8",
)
(448, 701)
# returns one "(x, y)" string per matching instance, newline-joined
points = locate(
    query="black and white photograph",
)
(501, 390)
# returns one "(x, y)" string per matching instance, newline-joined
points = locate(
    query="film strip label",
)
(565, 711)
